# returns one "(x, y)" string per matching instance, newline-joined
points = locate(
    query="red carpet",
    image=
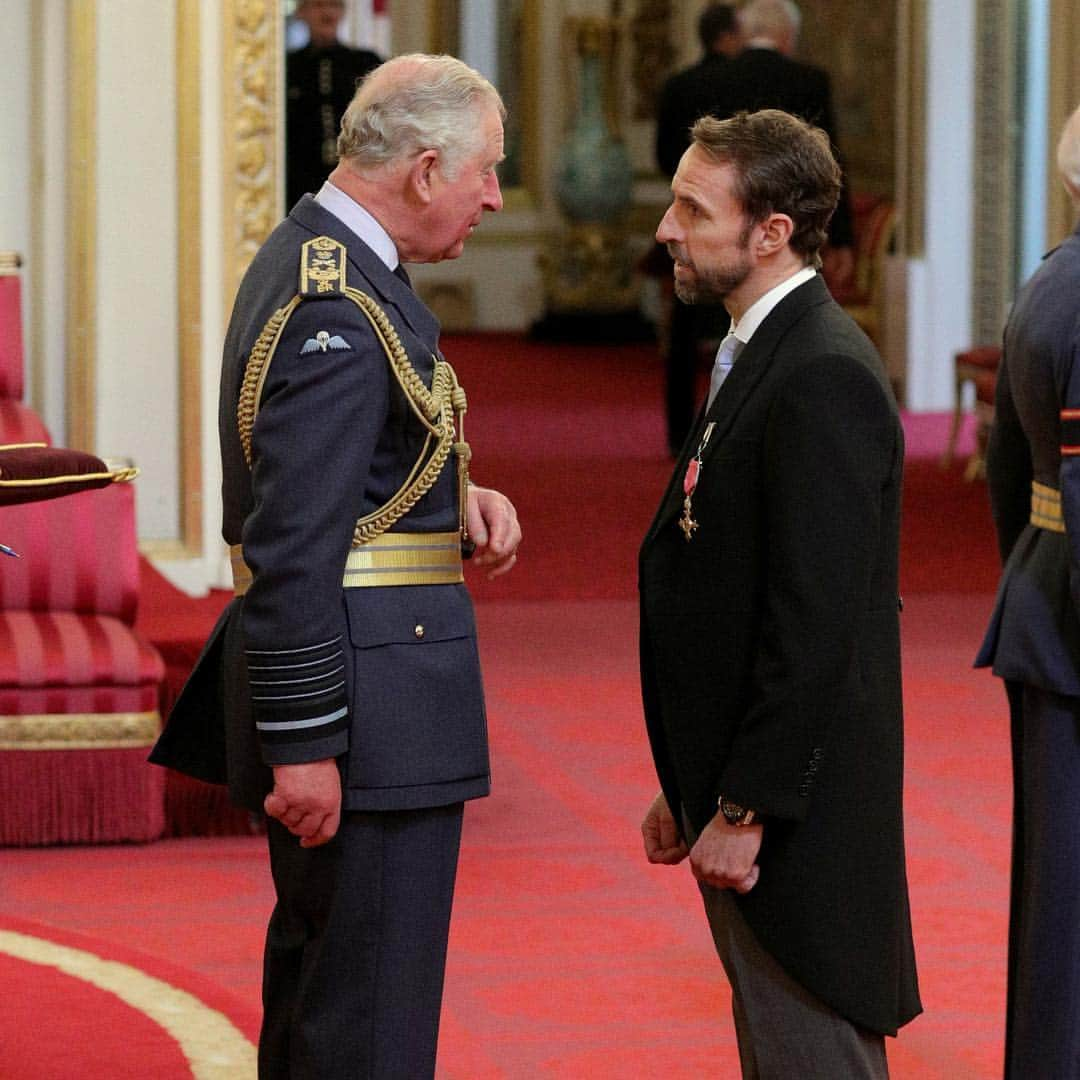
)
(570, 958)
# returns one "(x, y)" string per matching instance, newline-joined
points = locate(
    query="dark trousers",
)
(783, 1031)
(356, 948)
(1042, 1036)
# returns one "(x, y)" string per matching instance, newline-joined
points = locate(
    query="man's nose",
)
(493, 199)
(665, 231)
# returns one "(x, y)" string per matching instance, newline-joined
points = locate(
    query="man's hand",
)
(663, 844)
(493, 527)
(725, 856)
(307, 800)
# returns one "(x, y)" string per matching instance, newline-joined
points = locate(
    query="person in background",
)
(769, 636)
(340, 692)
(1033, 643)
(684, 97)
(320, 80)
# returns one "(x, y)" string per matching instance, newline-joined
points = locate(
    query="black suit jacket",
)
(755, 79)
(770, 656)
(402, 709)
(1034, 633)
(684, 98)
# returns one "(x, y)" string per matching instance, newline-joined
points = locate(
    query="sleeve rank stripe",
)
(296, 697)
(294, 667)
(299, 682)
(298, 725)
(292, 652)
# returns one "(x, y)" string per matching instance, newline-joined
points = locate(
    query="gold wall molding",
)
(994, 169)
(81, 284)
(189, 272)
(1064, 97)
(253, 112)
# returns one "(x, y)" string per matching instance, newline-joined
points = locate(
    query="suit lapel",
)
(757, 357)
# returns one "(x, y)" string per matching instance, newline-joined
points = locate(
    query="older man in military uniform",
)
(1033, 465)
(347, 668)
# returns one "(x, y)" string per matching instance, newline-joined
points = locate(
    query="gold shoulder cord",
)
(441, 409)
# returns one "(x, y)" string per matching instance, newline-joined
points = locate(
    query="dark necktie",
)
(399, 271)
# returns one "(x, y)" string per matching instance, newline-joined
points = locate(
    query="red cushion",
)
(30, 473)
(78, 554)
(61, 650)
(987, 357)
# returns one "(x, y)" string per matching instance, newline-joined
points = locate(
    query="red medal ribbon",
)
(693, 467)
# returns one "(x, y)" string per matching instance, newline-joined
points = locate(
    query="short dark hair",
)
(715, 21)
(782, 165)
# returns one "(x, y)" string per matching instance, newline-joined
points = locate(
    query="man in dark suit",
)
(684, 97)
(320, 80)
(341, 690)
(1033, 465)
(770, 656)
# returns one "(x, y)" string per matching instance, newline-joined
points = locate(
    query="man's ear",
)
(775, 232)
(421, 175)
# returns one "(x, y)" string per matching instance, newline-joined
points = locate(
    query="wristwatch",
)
(734, 814)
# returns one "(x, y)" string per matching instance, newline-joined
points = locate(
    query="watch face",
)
(733, 812)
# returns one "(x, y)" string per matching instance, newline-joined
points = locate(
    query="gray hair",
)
(413, 103)
(770, 18)
(1068, 155)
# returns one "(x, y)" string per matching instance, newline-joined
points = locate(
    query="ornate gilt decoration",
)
(650, 31)
(252, 105)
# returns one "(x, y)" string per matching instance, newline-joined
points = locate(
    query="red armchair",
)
(78, 686)
(18, 424)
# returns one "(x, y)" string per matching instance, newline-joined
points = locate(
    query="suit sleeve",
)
(312, 445)
(832, 447)
(1008, 467)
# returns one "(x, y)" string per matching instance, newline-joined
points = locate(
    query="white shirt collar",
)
(355, 217)
(762, 307)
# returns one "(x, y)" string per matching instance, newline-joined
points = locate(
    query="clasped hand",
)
(307, 800)
(724, 856)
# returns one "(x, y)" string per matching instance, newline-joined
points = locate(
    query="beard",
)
(713, 285)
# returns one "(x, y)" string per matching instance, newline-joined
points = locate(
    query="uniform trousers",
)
(1043, 1028)
(356, 947)
(783, 1031)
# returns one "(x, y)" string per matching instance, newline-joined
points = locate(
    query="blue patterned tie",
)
(725, 357)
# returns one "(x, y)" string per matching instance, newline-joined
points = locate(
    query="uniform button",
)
(419, 631)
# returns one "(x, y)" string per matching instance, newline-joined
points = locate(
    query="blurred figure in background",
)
(320, 80)
(685, 97)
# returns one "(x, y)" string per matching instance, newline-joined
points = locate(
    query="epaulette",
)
(322, 268)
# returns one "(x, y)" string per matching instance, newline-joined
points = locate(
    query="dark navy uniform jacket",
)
(1034, 634)
(386, 679)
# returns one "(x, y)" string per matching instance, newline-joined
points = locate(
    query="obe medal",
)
(690, 482)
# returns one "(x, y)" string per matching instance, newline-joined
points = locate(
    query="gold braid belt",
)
(441, 409)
